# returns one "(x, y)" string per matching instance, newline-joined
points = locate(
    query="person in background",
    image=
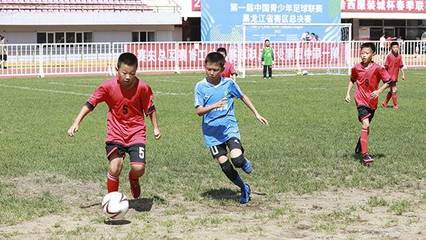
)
(229, 69)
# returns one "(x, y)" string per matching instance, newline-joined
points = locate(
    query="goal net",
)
(298, 48)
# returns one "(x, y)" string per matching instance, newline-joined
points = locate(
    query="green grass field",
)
(307, 148)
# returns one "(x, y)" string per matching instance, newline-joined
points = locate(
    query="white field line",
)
(44, 90)
(78, 93)
(74, 85)
(156, 92)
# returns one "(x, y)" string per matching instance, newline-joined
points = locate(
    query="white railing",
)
(100, 58)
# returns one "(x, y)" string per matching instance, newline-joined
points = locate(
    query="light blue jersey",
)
(220, 124)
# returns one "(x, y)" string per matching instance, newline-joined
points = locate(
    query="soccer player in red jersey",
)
(366, 76)
(228, 68)
(393, 64)
(128, 99)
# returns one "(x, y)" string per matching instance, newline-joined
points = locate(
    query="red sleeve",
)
(387, 62)
(384, 75)
(148, 101)
(354, 75)
(401, 63)
(98, 96)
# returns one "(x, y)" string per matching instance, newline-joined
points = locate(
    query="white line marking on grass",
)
(73, 85)
(94, 86)
(44, 90)
(285, 90)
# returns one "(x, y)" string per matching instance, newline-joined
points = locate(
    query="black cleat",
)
(367, 160)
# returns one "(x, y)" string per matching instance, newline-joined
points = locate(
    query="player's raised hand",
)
(262, 120)
(375, 94)
(73, 129)
(157, 133)
(348, 98)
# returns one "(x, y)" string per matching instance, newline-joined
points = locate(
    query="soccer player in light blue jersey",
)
(214, 101)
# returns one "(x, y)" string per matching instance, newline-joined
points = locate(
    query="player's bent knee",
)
(236, 152)
(140, 168)
(238, 161)
(222, 159)
(365, 125)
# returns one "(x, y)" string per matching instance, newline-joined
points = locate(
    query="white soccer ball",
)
(304, 73)
(115, 205)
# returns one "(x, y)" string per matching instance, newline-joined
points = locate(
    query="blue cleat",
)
(247, 167)
(245, 194)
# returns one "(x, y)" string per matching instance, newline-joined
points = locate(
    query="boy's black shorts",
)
(392, 84)
(135, 151)
(220, 150)
(365, 112)
(3, 57)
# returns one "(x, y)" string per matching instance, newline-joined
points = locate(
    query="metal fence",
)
(100, 58)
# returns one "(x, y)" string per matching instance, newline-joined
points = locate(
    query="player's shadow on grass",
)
(117, 222)
(221, 194)
(141, 204)
(358, 157)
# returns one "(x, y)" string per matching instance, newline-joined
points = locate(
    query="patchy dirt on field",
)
(391, 213)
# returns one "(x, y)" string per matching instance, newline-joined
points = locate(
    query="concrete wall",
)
(112, 36)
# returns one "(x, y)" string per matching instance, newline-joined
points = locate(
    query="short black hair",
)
(215, 57)
(128, 59)
(393, 44)
(266, 40)
(369, 45)
(222, 50)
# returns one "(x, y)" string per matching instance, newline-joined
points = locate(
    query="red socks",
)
(388, 97)
(112, 183)
(395, 99)
(364, 141)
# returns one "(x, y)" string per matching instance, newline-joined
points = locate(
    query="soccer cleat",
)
(367, 160)
(247, 167)
(269, 78)
(245, 194)
(395, 107)
(135, 187)
(264, 78)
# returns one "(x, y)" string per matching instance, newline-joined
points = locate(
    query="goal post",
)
(321, 48)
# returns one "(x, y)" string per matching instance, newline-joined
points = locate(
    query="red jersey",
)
(127, 107)
(229, 69)
(392, 64)
(367, 80)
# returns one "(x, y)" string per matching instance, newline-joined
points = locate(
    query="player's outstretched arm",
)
(76, 124)
(154, 121)
(200, 111)
(348, 92)
(250, 105)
